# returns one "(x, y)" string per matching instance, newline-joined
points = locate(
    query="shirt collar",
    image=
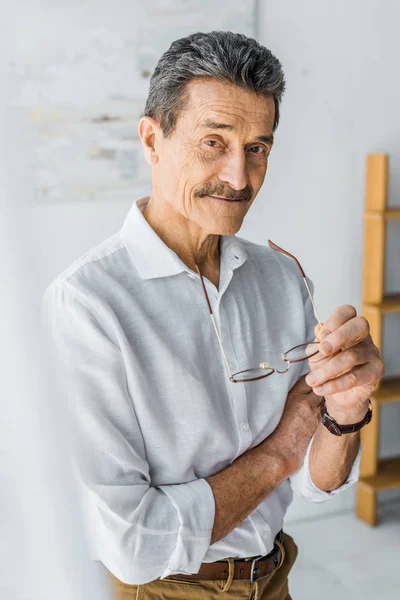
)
(153, 258)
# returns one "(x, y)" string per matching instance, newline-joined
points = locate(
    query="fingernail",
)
(327, 347)
(311, 379)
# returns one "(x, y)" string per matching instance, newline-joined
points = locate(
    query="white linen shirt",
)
(154, 408)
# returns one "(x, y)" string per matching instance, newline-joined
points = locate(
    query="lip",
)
(228, 199)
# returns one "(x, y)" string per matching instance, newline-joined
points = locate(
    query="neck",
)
(192, 244)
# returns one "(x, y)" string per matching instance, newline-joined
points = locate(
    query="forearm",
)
(241, 487)
(331, 456)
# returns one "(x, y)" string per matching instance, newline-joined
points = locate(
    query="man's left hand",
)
(347, 367)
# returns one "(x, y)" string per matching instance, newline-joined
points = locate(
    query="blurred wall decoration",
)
(87, 68)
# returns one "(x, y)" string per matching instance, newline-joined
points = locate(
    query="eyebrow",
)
(210, 124)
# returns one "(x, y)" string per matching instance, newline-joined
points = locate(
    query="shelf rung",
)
(389, 304)
(390, 214)
(387, 477)
(388, 391)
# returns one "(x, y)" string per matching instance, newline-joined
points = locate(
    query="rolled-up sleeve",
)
(303, 485)
(140, 532)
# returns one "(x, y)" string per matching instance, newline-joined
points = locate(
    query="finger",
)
(316, 361)
(365, 375)
(347, 335)
(339, 317)
(340, 363)
(320, 331)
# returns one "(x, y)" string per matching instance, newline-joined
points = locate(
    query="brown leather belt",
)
(252, 568)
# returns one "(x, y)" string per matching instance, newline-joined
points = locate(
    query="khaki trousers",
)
(272, 587)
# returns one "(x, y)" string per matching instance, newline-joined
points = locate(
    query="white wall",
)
(343, 95)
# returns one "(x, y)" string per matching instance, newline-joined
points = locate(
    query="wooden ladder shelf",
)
(377, 475)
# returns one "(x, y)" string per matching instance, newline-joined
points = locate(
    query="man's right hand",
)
(299, 421)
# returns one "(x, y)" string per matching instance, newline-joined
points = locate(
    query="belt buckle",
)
(253, 564)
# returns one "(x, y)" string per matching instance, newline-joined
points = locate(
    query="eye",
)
(264, 150)
(208, 142)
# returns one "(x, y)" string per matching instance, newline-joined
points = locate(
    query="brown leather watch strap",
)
(337, 429)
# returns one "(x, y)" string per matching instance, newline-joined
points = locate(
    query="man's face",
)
(213, 165)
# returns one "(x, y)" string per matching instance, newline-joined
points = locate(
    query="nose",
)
(234, 171)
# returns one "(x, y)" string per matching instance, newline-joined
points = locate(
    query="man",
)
(187, 468)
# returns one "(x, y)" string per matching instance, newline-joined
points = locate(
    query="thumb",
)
(301, 386)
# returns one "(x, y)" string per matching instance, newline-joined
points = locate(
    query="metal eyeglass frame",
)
(264, 365)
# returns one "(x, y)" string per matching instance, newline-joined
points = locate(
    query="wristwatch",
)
(337, 429)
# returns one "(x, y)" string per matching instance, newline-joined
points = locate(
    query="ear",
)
(149, 133)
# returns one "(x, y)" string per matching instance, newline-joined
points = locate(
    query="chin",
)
(224, 226)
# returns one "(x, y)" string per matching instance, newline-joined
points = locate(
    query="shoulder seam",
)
(66, 277)
(66, 287)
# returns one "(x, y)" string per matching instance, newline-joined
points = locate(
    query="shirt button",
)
(244, 425)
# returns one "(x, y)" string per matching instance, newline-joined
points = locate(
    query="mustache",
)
(244, 194)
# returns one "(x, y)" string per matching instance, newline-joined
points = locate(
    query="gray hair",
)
(222, 55)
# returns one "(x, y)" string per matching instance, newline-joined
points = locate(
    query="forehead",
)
(224, 101)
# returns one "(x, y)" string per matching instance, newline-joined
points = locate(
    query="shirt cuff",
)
(195, 505)
(303, 485)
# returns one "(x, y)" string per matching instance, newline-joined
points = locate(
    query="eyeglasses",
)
(296, 354)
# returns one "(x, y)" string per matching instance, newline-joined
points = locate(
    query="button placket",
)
(238, 391)
(213, 297)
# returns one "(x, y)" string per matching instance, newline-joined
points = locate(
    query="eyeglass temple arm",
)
(213, 321)
(282, 251)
